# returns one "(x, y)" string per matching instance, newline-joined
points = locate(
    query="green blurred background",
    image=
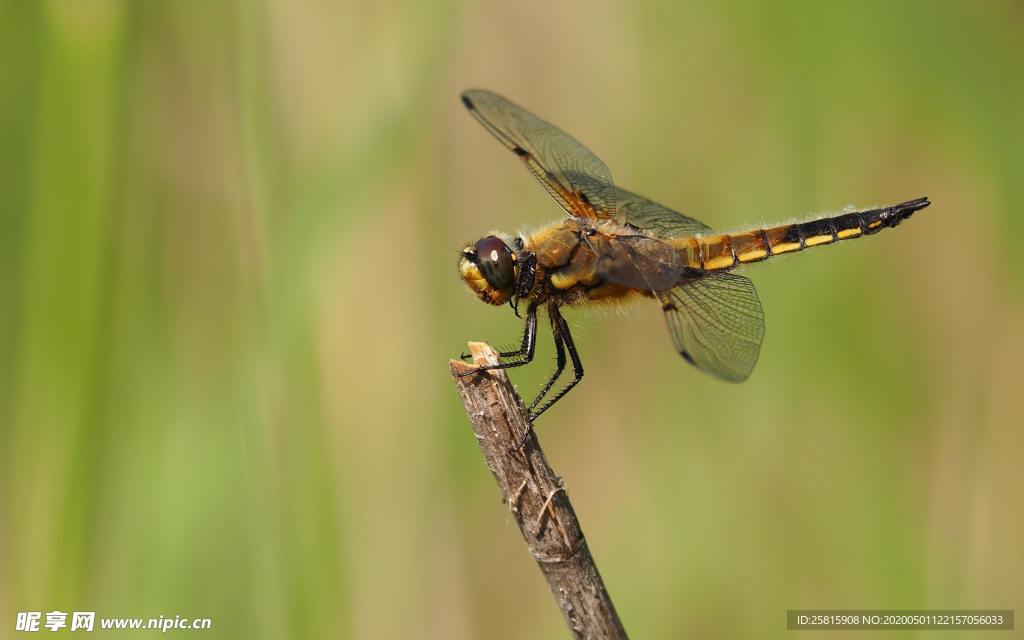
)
(228, 297)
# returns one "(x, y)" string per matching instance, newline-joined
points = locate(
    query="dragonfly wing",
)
(638, 261)
(654, 218)
(575, 177)
(717, 324)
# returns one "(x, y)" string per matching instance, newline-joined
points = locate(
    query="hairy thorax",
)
(570, 260)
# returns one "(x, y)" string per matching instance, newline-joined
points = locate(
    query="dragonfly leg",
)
(561, 329)
(559, 365)
(520, 356)
(559, 368)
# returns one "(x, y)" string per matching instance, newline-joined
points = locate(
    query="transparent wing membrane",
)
(654, 218)
(717, 324)
(576, 178)
(638, 262)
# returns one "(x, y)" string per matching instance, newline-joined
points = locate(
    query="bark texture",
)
(536, 497)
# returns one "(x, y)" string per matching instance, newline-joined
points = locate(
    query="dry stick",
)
(536, 497)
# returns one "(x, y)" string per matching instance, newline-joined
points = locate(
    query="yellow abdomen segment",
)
(714, 253)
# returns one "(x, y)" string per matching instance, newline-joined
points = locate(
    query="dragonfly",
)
(615, 246)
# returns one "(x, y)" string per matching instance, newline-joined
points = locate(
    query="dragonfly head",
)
(489, 269)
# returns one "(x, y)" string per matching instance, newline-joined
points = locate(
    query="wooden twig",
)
(536, 497)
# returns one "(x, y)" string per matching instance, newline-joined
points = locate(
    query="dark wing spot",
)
(521, 152)
(583, 198)
(467, 102)
(686, 356)
(669, 306)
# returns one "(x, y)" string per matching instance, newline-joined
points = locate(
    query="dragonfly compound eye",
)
(495, 261)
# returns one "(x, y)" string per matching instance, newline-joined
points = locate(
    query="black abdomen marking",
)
(763, 243)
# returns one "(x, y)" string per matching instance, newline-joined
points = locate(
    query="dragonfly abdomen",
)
(716, 253)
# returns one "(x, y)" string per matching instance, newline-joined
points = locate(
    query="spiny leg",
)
(529, 342)
(562, 331)
(563, 341)
(520, 356)
(559, 368)
(559, 364)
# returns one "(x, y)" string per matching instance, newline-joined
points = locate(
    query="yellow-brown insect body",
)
(571, 258)
(617, 244)
(723, 252)
(583, 261)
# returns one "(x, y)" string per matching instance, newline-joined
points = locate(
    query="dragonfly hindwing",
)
(716, 324)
